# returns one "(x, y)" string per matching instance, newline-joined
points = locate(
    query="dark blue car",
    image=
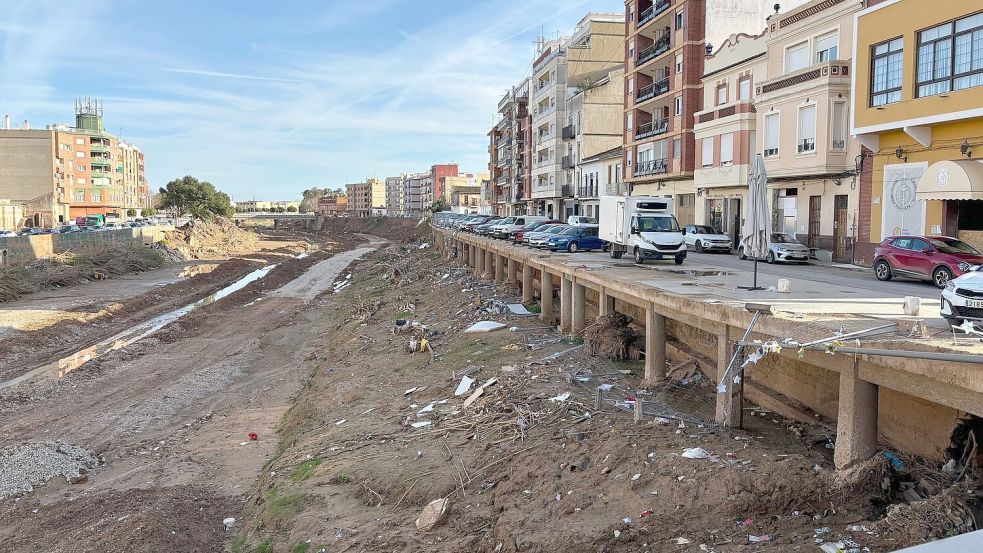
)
(575, 239)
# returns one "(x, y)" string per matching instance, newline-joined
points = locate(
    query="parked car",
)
(581, 220)
(544, 229)
(576, 238)
(473, 222)
(500, 226)
(485, 228)
(539, 238)
(65, 229)
(518, 235)
(7, 233)
(782, 248)
(935, 258)
(705, 238)
(31, 231)
(511, 225)
(113, 226)
(962, 297)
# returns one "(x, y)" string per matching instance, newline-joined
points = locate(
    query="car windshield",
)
(658, 224)
(951, 245)
(572, 231)
(779, 238)
(532, 225)
(554, 228)
(507, 221)
(703, 229)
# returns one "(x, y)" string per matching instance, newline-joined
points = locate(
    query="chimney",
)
(6, 122)
(25, 126)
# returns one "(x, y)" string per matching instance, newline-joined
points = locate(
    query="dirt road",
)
(170, 418)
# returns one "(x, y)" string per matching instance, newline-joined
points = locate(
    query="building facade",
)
(510, 155)
(394, 196)
(332, 205)
(802, 112)
(413, 193)
(918, 85)
(599, 175)
(725, 132)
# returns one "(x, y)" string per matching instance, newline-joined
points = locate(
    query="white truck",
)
(643, 226)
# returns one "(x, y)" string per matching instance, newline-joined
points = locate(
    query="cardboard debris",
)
(421, 424)
(519, 309)
(484, 326)
(464, 386)
(433, 514)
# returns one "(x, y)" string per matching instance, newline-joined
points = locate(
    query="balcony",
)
(659, 47)
(652, 12)
(569, 132)
(501, 199)
(652, 167)
(567, 162)
(824, 72)
(567, 191)
(517, 198)
(655, 127)
(647, 92)
(587, 191)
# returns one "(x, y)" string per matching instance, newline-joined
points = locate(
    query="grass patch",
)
(266, 546)
(301, 547)
(534, 308)
(305, 469)
(239, 544)
(341, 479)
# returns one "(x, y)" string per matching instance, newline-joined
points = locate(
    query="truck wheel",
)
(615, 254)
(639, 258)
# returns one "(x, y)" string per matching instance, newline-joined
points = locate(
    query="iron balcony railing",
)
(655, 127)
(568, 162)
(569, 132)
(659, 47)
(587, 190)
(654, 10)
(807, 145)
(657, 88)
(839, 144)
(652, 167)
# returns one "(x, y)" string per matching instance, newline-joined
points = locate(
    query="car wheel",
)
(639, 258)
(882, 270)
(740, 254)
(699, 246)
(941, 276)
(770, 258)
(679, 260)
(572, 247)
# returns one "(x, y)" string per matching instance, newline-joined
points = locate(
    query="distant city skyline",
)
(266, 103)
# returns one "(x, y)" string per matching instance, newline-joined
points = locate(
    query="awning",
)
(951, 180)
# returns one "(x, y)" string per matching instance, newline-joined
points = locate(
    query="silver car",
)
(782, 248)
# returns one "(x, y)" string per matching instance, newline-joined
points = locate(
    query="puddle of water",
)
(133, 334)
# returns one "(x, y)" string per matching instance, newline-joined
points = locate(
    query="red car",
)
(935, 258)
(516, 237)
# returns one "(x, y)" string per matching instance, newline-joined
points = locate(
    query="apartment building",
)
(725, 131)
(394, 196)
(414, 193)
(466, 199)
(593, 127)
(561, 66)
(511, 185)
(802, 113)
(438, 173)
(366, 198)
(599, 175)
(918, 85)
(332, 205)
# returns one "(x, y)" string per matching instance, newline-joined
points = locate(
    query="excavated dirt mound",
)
(221, 237)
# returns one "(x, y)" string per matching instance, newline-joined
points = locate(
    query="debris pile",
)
(22, 467)
(612, 336)
(198, 239)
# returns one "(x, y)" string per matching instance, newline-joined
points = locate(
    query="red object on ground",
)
(647, 513)
(253, 436)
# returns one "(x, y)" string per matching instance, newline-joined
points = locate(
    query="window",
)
(677, 148)
(839, 126)
(950, 56)
(826, 47)
(631, 49)
(631, 85)
(721, 95)
(679, 105)
(680, 20)
(807, 129)
(797, 57)
(679, 63)
(80, 141)
(726, 149)
(80, 195)
(79, 154)
(80, 168)
(629, 120)
(886, 72)
(772, 127)
(744, 89)
(628, 158)
(96, 196)
(80, 181)
(707, 156)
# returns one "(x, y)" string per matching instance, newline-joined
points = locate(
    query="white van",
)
(643, 226)
(510, 225)
(581, 220)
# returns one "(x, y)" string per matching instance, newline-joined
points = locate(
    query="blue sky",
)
(267, 101)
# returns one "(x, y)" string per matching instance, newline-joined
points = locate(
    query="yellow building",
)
(918, 109)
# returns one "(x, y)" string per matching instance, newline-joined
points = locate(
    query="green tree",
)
(439, 205)
(200, 199)
(131, 212)
(291, 209)
(149, 212)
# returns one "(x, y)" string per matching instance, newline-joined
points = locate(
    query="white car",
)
(511, 225)
(782, 248)
(7, 233)
(579, 220)
(704, 238)
(962, 298)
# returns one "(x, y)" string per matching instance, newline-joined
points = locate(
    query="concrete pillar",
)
(472, 256)
(499, 268)
(579, 308)
(728, 412)
(856, 418)
(489, 270)
(510, 276)
(526, 283)
(481, 257)
(605, 303)
(566, 304)
(655, 347)
(546, 297)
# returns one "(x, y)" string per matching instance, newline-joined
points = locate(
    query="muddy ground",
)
(332, 394)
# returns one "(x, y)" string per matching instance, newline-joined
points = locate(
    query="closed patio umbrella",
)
(757, 223)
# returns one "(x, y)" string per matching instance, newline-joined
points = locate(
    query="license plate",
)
(974, 303)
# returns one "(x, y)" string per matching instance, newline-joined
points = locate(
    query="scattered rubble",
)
(22, 467)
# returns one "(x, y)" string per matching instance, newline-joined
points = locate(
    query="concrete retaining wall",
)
(25, 249)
